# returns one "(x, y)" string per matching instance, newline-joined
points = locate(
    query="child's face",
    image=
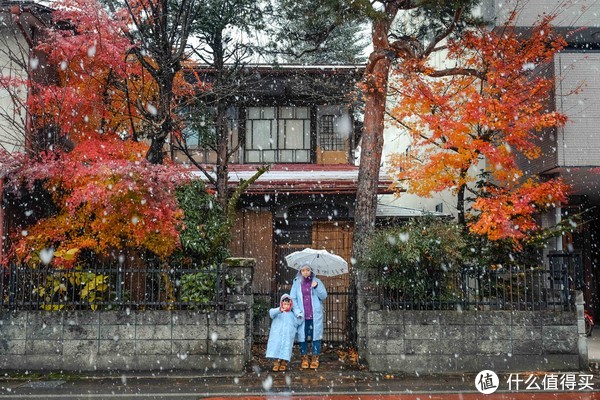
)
(305, 272)
(286, 305)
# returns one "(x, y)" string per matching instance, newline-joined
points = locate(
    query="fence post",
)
(241, 272)
(582, 344)
(12, 286)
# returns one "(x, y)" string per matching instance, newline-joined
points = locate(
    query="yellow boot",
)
(305, 361)
(276, 365)
(314, 363)
(282, 365)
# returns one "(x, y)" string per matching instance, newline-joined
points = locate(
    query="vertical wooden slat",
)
(253, 237)
(237, 236)
(335, 237)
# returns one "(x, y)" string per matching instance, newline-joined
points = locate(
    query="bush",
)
(199, 287)
(415, 258)
(201, 235)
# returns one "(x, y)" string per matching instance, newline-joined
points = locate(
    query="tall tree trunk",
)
(155, 153)
(460, 206)
(375, 92)
(222, 135)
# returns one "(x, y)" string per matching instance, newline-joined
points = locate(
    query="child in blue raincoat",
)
(308, 294)
(283, 332)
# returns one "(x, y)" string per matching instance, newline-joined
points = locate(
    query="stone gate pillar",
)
(241, 272)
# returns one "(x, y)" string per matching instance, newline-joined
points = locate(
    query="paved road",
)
(449, 396)
(298, 386)
(335, 381)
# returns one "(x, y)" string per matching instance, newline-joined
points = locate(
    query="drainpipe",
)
(557, 219)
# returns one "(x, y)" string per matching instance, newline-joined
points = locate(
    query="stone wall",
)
(445, 341)
(150, 340)
(137, 340)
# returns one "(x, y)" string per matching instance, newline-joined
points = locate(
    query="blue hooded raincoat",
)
(283, 331)
(317, 296)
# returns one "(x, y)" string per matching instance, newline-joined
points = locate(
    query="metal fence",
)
(490, 289)
(110, 287)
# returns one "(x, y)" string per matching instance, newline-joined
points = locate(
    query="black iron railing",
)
(110, 287)
(487, 289)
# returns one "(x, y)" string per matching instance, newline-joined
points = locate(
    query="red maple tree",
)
(93, 96)
(470, 123)
(100, 87)
(108, 197)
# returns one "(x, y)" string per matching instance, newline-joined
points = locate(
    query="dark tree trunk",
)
(222, 155)
(460, 206)
(375, 92)
(162, 117)
(156, 151)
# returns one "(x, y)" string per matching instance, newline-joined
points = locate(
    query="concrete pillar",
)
(241, 272)
(582, 344)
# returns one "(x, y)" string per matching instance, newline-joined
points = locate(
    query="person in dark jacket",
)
(308, 293)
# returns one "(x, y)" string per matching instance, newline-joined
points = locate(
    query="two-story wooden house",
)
(299, 120)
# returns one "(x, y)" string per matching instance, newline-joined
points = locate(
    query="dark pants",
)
(315, 344)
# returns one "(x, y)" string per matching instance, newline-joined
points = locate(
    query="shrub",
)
(414, 258)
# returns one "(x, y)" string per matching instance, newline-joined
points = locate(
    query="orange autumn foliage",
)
(99, 87)
(492, 107)
(108, 197)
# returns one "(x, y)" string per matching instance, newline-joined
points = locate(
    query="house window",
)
(199, 129)
(439, 207)
(328, 139)
(278, 134)
(199, 132)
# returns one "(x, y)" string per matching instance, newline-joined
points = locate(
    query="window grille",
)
(328, 140)
(278, 134)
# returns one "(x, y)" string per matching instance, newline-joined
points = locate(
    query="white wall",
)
(12, 116)
(570, 12)
(579, 140)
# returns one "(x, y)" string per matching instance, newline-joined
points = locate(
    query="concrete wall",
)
(118, 340)
(445, 341)
(137, 340)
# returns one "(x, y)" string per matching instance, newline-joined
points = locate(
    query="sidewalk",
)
(333, 377)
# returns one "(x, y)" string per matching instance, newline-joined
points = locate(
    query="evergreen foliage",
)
(414, 258)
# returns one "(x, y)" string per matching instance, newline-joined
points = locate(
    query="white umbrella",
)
(321, 262)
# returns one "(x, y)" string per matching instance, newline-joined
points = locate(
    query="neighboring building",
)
(573, 151)
(20, 25)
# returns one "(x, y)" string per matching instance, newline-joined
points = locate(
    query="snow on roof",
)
(301, 178)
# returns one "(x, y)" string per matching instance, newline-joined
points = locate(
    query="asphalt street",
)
(334, 380)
